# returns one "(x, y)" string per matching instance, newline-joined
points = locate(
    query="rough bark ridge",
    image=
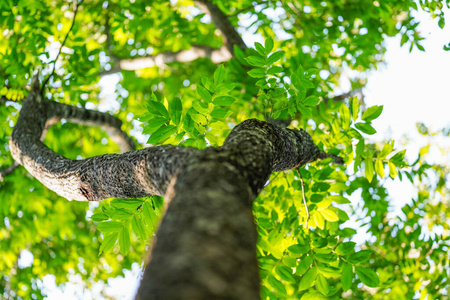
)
(206, 244)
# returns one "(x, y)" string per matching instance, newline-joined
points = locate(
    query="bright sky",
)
(413, 87)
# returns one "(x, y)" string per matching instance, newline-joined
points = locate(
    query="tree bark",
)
(206, 245)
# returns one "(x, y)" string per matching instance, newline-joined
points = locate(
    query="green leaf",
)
(392, 170)
(153, 125)
(308, 279)
(256, 61)
(219, 75)
(120, 213)
(198, 118)
(269, 45)
(109, 227)
(199, 107)
(203, 93)
(257, 73)
(367, 276)
(277, 285)
(219, 113)
(274, 70)
(329, 215)
(207, 83)
(387, 149)
(311, 101)
(441, 22)
(329, 272)
(124, 240)
(345, 116)
(299, 249)
(345, 248)
(223, 100)
(98, 217)
(260, 49)
(347, 277)
(368, 162)
(225, 88)
(372, 113)
(359, 257)
(285, 273)
(306, 111)
(175, 110)
(108, 242)
(366, 128)
(139, 229)
(127, 203)
(379, 168)
(303, 265)
(162, 134)
(322, 284)
(150, 217)
(354, 107)
(157, 108)
(274, 57)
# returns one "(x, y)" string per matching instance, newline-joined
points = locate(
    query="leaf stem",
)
(304, 198)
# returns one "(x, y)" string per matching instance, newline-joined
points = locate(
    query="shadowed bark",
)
(206, 245)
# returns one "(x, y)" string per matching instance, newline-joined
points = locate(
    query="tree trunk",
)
(206, 244)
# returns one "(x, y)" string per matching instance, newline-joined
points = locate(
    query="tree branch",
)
(8, 171)
(82, 116)
(160, 60)
(220, 20)
(344, 96)
(248, 8)
(3, 99)
(75, 10)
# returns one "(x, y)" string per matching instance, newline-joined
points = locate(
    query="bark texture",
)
(206, 245)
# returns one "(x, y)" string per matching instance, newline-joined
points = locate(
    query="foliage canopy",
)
(176, 77)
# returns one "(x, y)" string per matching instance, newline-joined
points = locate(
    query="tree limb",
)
(160, 60)
(220, 20)
(3, 99)
(8, 170)
(248, 8)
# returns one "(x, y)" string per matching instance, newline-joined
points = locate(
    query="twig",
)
(8, 171)
(3, 99)
(75, 10)
(245, 9)
(304, 198)
(344, 96)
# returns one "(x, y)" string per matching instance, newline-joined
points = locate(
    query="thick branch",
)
(84, 116)
(206, 245)
(129, 175)
(160, 60)
(220, 20)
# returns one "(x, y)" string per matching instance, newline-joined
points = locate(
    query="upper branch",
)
(160, 60)
(220, 20)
